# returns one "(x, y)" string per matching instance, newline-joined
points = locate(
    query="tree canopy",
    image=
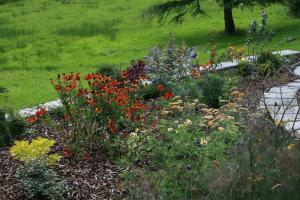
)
(181, 8)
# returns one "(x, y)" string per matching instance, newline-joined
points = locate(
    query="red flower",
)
(168, 95)
(32, 119)
(67, 153)
(98, 110)
(41, 112)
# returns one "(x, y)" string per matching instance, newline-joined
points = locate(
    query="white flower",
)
(203, 141)
(133, 134)
(188, 122)
(170, 129)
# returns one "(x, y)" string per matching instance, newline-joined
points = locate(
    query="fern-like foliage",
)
(180, 8)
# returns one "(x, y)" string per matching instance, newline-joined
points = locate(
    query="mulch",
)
(96, 178)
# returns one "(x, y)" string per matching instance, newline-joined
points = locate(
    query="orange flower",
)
(98, 110)
(41, 112)
(168, 95)
(160, 87)
(67, 153)
(32, 119)
(58, 88)
(112, 126)
(67, 117)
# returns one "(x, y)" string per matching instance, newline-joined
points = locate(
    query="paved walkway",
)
(282, 104)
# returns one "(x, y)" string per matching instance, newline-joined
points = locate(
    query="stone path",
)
(272, 97)
(281, 102)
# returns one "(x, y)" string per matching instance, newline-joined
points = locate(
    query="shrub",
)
(41, 182)
(95, 113)
(186, 88)
(38, 149)
(294, 7)
(2, 115)
(212, 87)
(268, 63)
(152, 91)
(5, 136)
(170, 63)
(16, 126)
(108, 70)
(246, 68)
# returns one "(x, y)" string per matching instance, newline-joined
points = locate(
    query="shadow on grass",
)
(8, 32)
(220, 39)
(87, 29)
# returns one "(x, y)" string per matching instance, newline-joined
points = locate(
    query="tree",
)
(161, 11)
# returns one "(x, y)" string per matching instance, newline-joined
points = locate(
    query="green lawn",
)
(39, 39)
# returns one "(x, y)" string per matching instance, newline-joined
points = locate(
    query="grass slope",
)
(39, 39)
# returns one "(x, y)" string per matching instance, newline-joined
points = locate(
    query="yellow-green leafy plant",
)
(38, 148)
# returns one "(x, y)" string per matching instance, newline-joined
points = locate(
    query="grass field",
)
(39, 39)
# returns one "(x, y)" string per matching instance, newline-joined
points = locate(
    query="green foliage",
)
(212, 87)
(151, 91)
(294, 7)
(268, 63)
(170, 162)
(2, 115)
(246, 68)
(108, 70)
(257, 172)
(39, 148)
(186, 88)
(258, 35)
(5, 136)
(7, 1)
(16, 126)
(171, 63)
(41, 182)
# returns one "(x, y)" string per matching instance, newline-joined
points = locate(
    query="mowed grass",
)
(39, 39)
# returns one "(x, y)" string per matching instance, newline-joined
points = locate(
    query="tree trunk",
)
(228, 19)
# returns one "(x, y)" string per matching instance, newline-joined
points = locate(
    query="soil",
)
(96, 178)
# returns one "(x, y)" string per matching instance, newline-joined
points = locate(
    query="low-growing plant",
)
(268, 63)
(5, 136)
(263, 165)
(41, 182)
(246, 68)
(16, 126)
(108, 70)
(11, 127)
(38, 149)
(172, 157)
(212, 87)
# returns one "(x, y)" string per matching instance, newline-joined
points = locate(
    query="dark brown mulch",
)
(97, 178)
